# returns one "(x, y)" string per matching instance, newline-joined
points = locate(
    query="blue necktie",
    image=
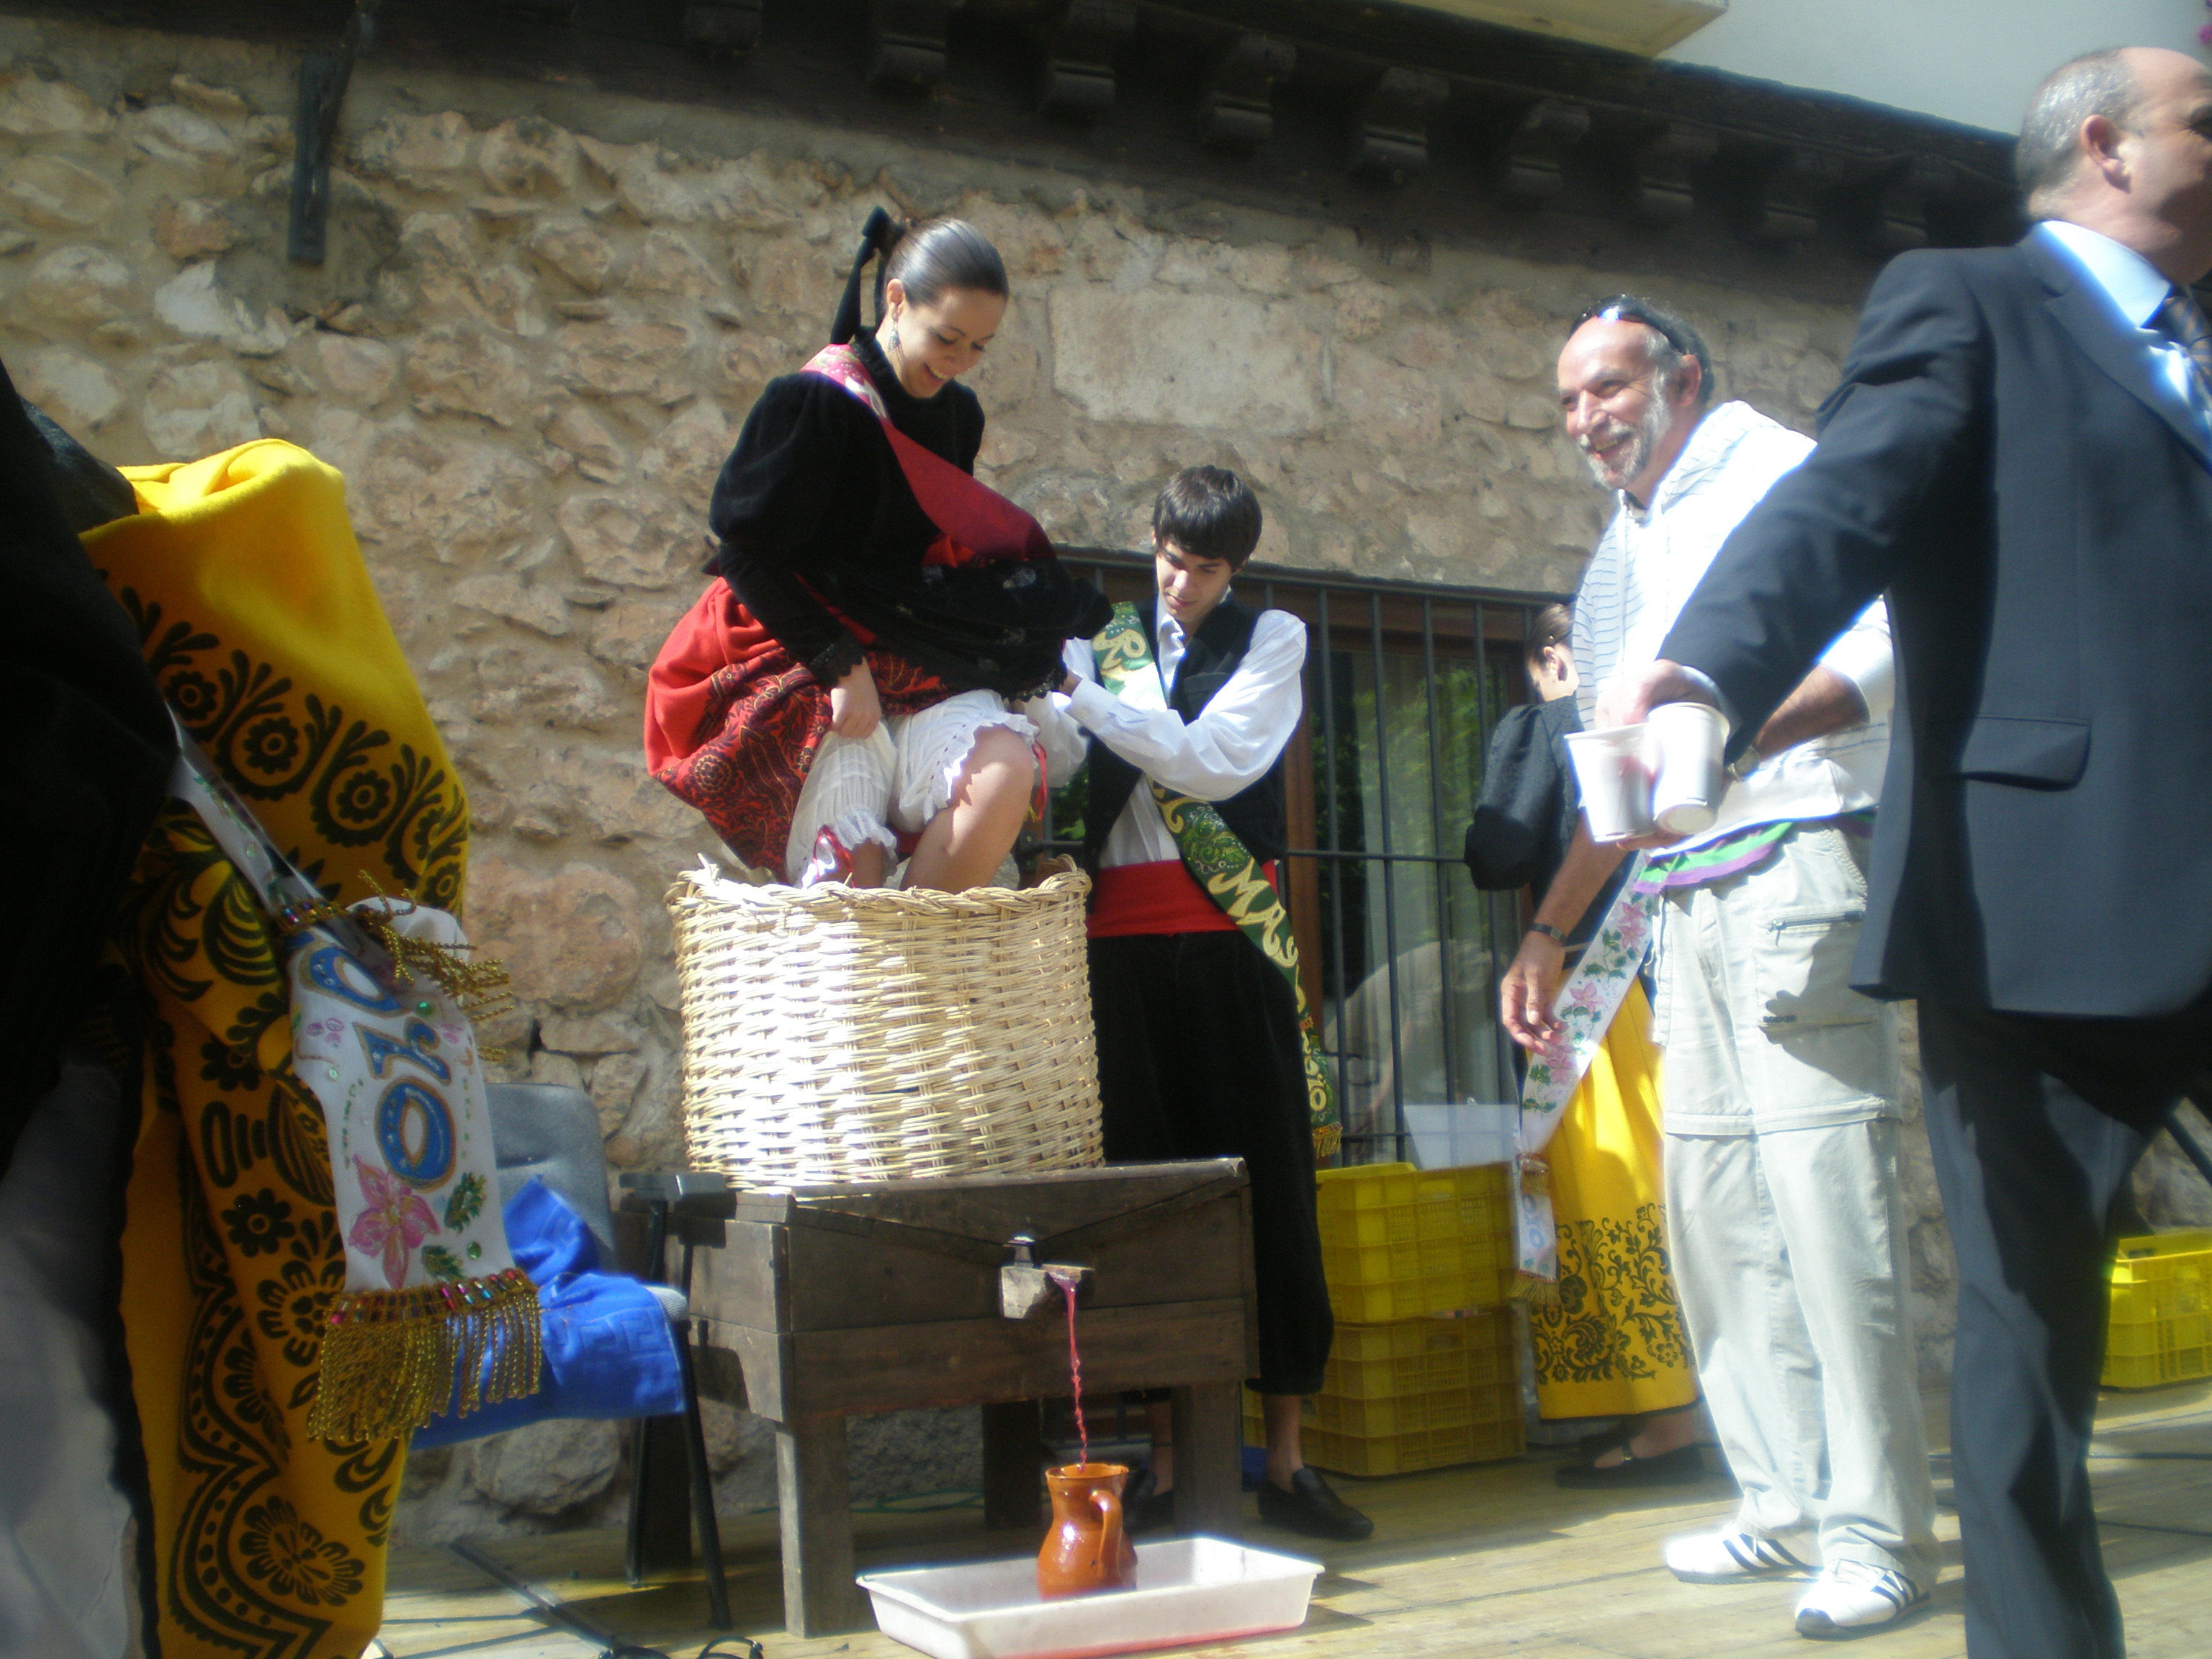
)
(2182, 321)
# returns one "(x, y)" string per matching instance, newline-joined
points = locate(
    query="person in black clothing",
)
(1529, 806)
(841, 693)
(1184, 707)
(2019, 452)
(88, 755)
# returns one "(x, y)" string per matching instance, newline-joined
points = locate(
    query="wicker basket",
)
(836, 1034)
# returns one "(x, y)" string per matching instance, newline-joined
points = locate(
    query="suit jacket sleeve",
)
(1829, 535)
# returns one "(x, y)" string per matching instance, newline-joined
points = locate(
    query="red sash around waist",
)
(1155, 898)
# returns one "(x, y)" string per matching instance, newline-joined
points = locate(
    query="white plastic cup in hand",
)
(1684, 741)
(1615, 780)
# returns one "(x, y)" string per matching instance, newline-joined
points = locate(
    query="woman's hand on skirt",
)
(855, 709)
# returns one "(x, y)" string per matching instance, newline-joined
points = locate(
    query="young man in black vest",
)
(1191, 698)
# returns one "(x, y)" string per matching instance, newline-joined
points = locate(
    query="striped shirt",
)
(1647, 564)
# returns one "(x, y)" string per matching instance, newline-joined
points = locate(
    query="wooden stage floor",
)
(1489, 1559)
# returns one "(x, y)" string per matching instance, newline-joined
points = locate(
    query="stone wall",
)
(544, 314)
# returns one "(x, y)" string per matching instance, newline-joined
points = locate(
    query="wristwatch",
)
(1558, 936)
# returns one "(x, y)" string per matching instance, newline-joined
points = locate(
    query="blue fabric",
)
(609, 1349)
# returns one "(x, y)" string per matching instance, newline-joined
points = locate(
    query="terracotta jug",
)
(1086, 1550)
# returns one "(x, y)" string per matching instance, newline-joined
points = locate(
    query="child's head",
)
(1205, 525)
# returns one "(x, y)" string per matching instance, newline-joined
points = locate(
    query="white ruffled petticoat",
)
(898, 777)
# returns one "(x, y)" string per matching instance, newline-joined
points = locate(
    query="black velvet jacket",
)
(812, 505)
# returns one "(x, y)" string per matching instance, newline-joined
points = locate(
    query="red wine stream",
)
(1069, 1284)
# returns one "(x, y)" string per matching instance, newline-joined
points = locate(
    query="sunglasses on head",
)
(1622, 309)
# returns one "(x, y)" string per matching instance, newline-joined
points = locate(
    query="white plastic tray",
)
(1189, 1590)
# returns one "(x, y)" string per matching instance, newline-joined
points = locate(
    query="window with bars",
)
(1401, 956)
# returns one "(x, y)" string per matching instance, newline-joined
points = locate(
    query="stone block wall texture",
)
(544, 314)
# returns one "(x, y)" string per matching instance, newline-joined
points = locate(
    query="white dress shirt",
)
(1650, 560)
(1236, 737)
(2134, 290)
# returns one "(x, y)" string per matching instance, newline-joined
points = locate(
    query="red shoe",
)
(832, 861)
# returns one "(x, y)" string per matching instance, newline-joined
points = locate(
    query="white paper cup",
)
(1687, 781)
(1616, 783)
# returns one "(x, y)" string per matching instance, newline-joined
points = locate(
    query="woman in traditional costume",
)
(843, 693)
(1608, 1334)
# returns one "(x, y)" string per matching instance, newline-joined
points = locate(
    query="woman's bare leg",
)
(965, 844)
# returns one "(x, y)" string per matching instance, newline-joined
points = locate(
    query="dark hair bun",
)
(927, 258)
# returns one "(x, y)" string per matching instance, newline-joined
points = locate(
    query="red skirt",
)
(731, 721)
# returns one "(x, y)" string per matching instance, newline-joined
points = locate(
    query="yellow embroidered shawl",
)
(256, 615)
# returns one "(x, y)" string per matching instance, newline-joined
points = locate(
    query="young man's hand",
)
(855, 709)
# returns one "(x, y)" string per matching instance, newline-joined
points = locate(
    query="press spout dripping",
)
(1027, 1287)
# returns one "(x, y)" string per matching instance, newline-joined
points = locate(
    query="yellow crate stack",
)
(2161, 1320)
(1398, 1242)
(1424, 1373)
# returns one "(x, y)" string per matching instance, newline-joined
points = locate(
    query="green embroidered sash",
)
(1231, 876)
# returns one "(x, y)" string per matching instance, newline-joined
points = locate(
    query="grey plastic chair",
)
(550, 1131)
(546, 1130)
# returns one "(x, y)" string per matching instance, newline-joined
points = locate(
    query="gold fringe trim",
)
(1328, 1140)
(479, 988)
(1535, 1290)
(391, 1358)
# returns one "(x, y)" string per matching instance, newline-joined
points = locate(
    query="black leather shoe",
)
(1310, 1508)
(1144, 1507)
(1681, 1466)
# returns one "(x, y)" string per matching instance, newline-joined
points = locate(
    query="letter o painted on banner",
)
(331, 969)
(429, 1160)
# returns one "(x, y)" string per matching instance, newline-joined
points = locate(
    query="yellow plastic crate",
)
(1488, 1426)
(1403, 1454)
(2162, 1322)
(1392, 1362)
(1400, 1244)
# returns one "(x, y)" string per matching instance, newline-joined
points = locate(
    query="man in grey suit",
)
(2020, 454)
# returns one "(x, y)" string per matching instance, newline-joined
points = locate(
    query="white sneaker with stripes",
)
(1850, 1598)
(1730, 1556)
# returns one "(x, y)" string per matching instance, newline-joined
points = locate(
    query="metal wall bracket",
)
(323, 80)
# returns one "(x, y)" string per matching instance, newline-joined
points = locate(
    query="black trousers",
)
(2035, 1122)
(1198, 1057)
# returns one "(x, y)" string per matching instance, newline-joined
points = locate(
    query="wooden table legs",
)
(1013, 1452)
(1209, 1439)
(815, 1499)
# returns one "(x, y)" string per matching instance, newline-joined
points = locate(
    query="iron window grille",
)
(1399, 954)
